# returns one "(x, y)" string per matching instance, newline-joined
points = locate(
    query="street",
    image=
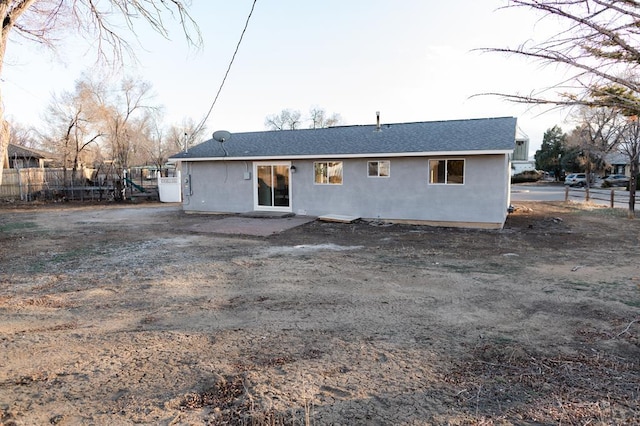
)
(556, 192)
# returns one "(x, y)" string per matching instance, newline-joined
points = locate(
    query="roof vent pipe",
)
(377, 121)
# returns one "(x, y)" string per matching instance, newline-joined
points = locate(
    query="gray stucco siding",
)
(406, 194)
(360, 195)
(217, 186)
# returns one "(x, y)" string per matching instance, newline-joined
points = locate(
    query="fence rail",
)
(31, 184)
(18, 183)
(615, 198)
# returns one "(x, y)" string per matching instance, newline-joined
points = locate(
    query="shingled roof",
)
(474, 136)
(24, 152)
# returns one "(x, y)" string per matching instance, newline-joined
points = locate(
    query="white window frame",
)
(446, 171)
(256, 203)
(328, 163)
(388, 162)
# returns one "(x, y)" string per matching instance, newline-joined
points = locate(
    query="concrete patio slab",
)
(242, 225)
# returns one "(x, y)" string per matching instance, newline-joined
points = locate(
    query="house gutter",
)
(345, 156)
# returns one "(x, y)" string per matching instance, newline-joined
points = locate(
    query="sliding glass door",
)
(272, 186)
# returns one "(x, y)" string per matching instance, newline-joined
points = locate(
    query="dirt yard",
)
(117, 315)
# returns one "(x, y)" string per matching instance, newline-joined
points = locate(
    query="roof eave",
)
(365, 155)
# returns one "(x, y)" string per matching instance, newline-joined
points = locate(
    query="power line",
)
(224, 79)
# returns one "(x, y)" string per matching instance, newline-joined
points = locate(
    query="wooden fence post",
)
(612, 198)
(566, 193)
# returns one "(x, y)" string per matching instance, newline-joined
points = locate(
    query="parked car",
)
(617, 180)
(576, 179)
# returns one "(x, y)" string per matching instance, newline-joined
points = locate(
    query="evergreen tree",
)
(549, 156)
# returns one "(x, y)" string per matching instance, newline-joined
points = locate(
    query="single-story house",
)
(449, 173)
(618, 164)
(20, 157)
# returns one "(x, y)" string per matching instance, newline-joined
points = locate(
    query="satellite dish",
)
(221, 135)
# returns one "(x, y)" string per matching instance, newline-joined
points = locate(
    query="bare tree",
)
(72, 131)
(125, 122)
(159, 150)
(597, 134)
(630, 147)
(126, 118)
(140, 134)
(598, 43)
(22, 135)
(166, 142)
(99, 23)
(187, 133)
(163, 142)
(292, 119)
(319, 119)
(286, 120)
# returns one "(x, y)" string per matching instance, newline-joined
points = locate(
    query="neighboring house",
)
(21, 157)
(618, 164)
(23, 172)
(520, 160)
(450, 173)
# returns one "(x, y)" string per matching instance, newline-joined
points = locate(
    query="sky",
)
(412, 60)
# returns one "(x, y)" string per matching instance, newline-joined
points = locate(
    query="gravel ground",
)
(145, 315)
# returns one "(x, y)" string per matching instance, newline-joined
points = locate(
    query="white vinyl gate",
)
(169, 188)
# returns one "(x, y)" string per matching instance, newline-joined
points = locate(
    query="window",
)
(446, 171)
(328, 173)
(379, 168)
